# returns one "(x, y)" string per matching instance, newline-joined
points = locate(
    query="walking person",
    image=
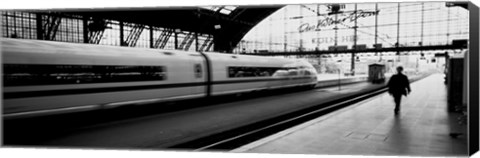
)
(398, 85)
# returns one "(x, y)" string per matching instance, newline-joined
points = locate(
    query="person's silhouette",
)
(398, 85)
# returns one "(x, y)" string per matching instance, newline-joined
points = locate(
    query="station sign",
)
(340, 39)
(342, 19)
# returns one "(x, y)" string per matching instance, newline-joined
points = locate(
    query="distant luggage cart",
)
(376, 73)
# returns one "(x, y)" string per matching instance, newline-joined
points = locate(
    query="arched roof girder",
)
(227, 30)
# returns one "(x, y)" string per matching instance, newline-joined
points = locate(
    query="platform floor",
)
(371, 128)
(324, 77)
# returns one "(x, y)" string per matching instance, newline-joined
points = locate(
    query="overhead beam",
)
(459, 4)
(222, 17)
(371, 50)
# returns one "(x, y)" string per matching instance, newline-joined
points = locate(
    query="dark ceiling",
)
(233, 27)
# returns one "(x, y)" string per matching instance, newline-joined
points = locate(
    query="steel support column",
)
(473, 101)
(398, 31)
(421, 28)
(151, 36)
(336, 33)
(30, 25)
(196, 41)
(376, 24)
(122, 42)
(285, 28)
(6, 24)
(176, 39)
(40, 31)
(376, 31)
(422, 23)
(85, 30)
(354, 42)
(14, 34)
(22, 25)
(221, 41)
(448, 26)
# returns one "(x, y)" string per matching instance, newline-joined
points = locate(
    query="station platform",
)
(326, 77)
(370, 127)
(323, 77)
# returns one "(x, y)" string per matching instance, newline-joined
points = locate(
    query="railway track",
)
(234, 138)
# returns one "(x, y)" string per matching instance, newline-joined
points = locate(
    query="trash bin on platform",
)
(455, 79)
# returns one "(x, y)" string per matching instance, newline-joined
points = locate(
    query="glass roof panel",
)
(222, 9)
(231, 8)
(212, 8)
(310, 27)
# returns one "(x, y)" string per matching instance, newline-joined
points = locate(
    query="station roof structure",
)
(228, 24)
(198, 28)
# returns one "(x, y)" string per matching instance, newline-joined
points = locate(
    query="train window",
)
(307, 73)
(168, 53)
(281, 73)
(293, 72)
(20, 75)
(236, 72)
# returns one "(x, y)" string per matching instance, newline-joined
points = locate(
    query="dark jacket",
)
(398, 85)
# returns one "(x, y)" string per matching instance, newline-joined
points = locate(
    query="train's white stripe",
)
(93, 107)
(148, 101)
(257, 89)
(236, 91)
(51, 111)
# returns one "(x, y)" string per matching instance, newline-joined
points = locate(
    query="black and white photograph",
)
(360, 78)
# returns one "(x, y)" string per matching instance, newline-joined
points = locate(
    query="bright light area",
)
(309, 27)
(221, 9)
(313, 27)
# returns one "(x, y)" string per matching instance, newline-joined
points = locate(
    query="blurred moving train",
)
(44, 77)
